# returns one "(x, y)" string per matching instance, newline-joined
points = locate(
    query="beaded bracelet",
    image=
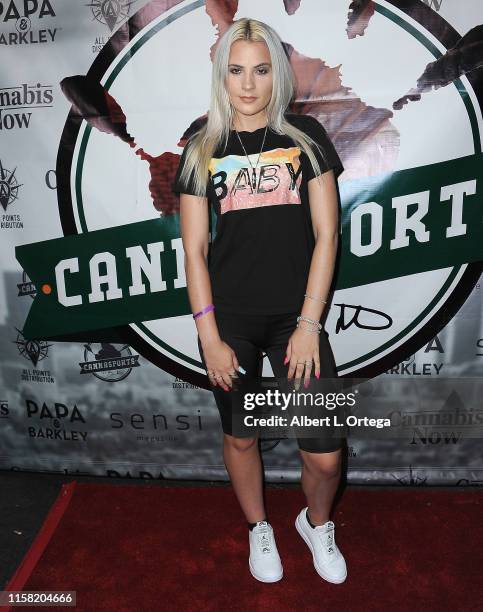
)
(302, 318)
(206, 309)
(315, 331)
(315, 298)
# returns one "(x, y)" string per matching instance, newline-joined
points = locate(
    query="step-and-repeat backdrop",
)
(99, 366)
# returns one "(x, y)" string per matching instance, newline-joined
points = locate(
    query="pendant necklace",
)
(254, 177)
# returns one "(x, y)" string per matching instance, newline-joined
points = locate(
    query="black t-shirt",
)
(260, 257)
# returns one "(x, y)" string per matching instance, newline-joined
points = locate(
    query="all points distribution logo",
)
(411, 234)
(9, 186)
(111, 12)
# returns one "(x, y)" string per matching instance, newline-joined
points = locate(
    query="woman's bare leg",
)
(320, 478)
(244, 466)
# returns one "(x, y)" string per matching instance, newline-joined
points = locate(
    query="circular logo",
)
(105, 361)
(386, 310)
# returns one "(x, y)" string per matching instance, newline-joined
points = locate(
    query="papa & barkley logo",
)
(54, 421)
(409, 366)
(20, 13)
(400, 229)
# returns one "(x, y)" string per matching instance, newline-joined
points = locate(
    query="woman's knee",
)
(322, 465)
(239, 444)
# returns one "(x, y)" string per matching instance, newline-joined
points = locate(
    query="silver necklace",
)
(254, 177)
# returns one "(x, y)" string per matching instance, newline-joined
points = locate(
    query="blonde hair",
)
(202, 145)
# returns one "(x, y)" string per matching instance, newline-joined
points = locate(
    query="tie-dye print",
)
(277, 179)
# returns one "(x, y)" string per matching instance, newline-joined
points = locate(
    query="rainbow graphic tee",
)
(262, 245)
(276, 180)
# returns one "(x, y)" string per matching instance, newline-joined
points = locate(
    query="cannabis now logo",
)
(411, 222)
(15, 102)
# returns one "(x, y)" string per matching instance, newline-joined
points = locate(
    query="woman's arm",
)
(220, 358)
(325, 213)
(194, 235)
(303, 344)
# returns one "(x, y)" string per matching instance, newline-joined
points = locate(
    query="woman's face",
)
(249, 79)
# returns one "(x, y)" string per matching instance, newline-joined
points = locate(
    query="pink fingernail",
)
(285, 361)
(306, 384)
(317, 375)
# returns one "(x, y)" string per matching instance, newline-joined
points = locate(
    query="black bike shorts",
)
(252, 335)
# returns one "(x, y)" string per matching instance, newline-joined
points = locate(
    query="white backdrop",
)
(149, 412)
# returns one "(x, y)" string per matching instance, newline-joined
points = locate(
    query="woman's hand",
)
(221, 363)
(303, 346)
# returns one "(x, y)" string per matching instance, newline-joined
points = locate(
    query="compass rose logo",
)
(9, 187)
(110, 12)
(35, 350)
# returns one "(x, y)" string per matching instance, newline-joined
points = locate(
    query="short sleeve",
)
(317, 132)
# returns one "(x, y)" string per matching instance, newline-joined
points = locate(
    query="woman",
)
(270, 176)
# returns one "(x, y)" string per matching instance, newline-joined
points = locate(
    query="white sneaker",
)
(328, 560)
(264, 560)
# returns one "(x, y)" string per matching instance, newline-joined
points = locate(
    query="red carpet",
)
(148, 548)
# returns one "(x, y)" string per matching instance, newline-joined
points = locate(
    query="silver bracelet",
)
(315, 298)
(315, 331)
(302, 318)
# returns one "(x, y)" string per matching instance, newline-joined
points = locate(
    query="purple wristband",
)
(204, 311)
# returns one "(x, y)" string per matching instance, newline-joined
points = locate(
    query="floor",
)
(26, 498)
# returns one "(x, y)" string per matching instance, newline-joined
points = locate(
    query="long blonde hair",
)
(203, 143)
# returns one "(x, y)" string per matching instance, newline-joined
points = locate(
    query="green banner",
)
(97, 280)
(449, 234)
(393, 225)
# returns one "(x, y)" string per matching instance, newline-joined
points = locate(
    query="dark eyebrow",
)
(257, 66)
